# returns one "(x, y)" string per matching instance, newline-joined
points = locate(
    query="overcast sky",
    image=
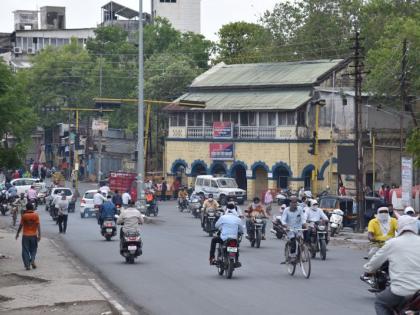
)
(87, 13)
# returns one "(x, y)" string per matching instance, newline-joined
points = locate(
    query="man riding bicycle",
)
(293, 218)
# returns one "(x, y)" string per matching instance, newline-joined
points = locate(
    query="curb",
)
(116, 307)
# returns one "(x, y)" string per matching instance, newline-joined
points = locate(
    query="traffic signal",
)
(311, 150)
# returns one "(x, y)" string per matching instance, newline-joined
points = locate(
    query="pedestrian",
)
(387, 194)
(63, 213)
(342, 190)
(126, 198)
(31, 235)
(268, 200)
(164, 190)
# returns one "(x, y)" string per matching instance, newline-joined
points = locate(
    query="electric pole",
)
(403, 92)
(140, 126)
(358, 67)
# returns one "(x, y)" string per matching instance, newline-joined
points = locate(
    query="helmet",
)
(230, 206)
(210, 195)
(256, 200)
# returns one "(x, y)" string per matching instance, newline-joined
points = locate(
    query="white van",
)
(222, 188)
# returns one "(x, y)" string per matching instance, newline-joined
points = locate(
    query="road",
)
(173, 275)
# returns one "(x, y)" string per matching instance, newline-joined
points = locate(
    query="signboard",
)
(222, 130)
(406, 180)
(99, 124)
(347, 160)
(221, 151)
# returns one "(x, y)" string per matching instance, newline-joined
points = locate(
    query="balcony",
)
(242, 132)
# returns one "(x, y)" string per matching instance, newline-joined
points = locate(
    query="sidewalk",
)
(56, 286)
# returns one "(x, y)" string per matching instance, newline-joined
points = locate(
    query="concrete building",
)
(26, 19)
(53, 18)
(185, 15)
(258, 123)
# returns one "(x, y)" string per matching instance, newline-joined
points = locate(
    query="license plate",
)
(232, 249)
(132, 248)
(109, 230)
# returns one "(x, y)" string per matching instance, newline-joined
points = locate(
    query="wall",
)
(184, 14)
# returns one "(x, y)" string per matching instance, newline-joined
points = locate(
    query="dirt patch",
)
(4, 298)
(12, 279)
(74, 308)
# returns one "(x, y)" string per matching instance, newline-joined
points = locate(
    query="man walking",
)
(63, 213)
(30, 237)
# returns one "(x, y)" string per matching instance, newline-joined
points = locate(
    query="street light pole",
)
(140, 126)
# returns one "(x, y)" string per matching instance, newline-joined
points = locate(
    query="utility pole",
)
(140, 126)
(100, 131)
(403, 92)
(358, 67)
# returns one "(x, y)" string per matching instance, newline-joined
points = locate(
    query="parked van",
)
(222, 188)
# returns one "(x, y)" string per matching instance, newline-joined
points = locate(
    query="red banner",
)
(221, 151)
(222, 130)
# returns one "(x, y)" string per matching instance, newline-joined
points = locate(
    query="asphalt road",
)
(173, 275)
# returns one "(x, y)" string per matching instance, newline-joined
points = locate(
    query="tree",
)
(242, 42)
(18, 119)
(413, 146)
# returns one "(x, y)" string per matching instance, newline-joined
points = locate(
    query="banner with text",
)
(406, 180)
(221, 151)
(222, 130)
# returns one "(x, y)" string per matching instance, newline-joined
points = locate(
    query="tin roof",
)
(246, 100)
(266, 74)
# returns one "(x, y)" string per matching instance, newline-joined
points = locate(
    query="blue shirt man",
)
(107, 210)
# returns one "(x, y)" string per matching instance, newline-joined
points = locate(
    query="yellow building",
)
(257, 126)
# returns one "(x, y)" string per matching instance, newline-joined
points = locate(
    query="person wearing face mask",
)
(314, 215)
(383, 227)
(255, 209)
(209, 203)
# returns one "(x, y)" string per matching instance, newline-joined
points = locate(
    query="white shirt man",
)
(105, 190)
(98, 199)
(126, 198)
(131, 217)
(315, 214)
(402, 253)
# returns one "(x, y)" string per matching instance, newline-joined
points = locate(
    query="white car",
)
(87, 207)
(23, 184)
(222, 188)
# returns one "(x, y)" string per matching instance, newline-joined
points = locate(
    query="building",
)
(184, 15)
(26, 19)
(258, 124)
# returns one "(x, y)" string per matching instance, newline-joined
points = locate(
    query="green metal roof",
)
(265, 74)
(246, 100)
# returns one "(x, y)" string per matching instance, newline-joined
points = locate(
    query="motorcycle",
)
(42, 196)
(227, 257)
(278, 229)
(183, 205)
(318, 239)
(108, 228)
(410, 307)
(152, 208)
(336, 221)
(131, 246)
(72, 204)
(194, 205)
(255, 231)
(51, 208)
(210, 220)
(4, 202)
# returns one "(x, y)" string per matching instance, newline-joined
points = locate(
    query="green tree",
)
(242, 42)
(413, 146)
(18, 119)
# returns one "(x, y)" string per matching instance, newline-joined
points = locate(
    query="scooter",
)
(108, 228)
(336, 221)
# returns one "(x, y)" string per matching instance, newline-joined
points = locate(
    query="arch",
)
(238, 172)
(306, 175)
(218, 167)
(198, 167)
(281, 174)
(257, 165)
(324, 167)
(176, 164)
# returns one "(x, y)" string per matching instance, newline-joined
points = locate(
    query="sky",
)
(87, 13)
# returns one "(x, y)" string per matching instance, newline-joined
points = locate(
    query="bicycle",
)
(303, 257)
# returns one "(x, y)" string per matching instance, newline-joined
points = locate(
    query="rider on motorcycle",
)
(293, 218)
(238, 209)
(383, 227)
(314, 215)
(182, 197)
(107, 211)
(117, 199)
(130, 218)
(255, 209)
(404, 261)
(230, 226)
(209, 203)
(32, 196)
(12, 191)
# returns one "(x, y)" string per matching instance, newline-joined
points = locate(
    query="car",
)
(23, 184)
(87, 208)
(56, 192)
(222, 188)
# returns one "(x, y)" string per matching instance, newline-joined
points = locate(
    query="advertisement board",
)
(222, 130)
(406, 180)
(221, 151)
(99, 124)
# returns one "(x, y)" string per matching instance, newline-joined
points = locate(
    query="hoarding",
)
(406, 180)
(99, 124)
(222, 130)
(221, 151)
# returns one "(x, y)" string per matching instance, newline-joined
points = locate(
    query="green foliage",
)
(18, 119)
(413, 146)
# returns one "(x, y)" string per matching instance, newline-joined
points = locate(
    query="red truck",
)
(123, 181)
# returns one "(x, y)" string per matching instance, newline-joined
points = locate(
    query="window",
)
(177, 119)
(211, 117)
(214, 184)
(287, 119)
(291, 118)
(53, 41)
(248, 119)
(267, 119)
(301, 118)
(199, 182)
(207, 182)
(233, 117)
(195, 119)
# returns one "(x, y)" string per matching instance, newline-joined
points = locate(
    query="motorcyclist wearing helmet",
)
(230, 227)
(238, 209)
(255, 209)
(209, 203)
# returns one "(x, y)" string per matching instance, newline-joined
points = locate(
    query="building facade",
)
(184, 15)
